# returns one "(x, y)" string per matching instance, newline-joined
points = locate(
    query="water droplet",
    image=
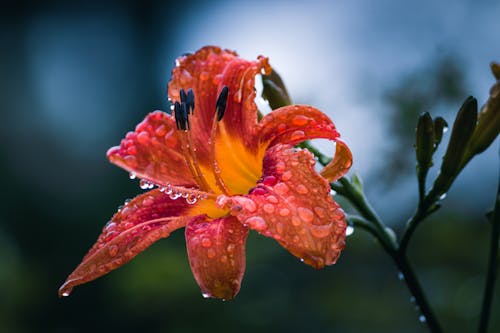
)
(211, 253)
(305, 214)
(205, 295)
(401, 277)
(297, 135)
(230, 248)
(174, 195)
(296, 221)
(191, 199)
(205, 242)
(132, 175)
(412, 299)
(257, 223)
(320, 211)
(143, 184)
(281, 188)
(332, 192)
(445, 129)
(143, 138)
(301, 189)
(321, 231)
(269, 180)
(422, 319)
(287, 175)
(268, 208)
(349, 230)
(300, 120)
(65, 294)
(443, 196)
(247, 204)
(284, 211)
(113, 250)
(272, 199)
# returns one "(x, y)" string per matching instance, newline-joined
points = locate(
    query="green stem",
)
(492, 267)
(372, 223)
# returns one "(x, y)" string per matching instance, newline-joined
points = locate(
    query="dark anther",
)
(220, 106)
(183, 96)
(181, 116)
(190, 100)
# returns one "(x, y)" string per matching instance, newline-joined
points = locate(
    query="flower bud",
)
(424, 145)
(488, 125)
(275, 91)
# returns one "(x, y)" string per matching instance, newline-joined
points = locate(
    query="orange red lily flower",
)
(219, 173)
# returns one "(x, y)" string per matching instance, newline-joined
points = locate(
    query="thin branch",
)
(492, 266)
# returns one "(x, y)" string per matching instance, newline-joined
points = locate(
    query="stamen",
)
(181, 111)
(220, 106)
(190, 100)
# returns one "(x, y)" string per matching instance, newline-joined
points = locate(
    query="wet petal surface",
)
(294, 124)
(216, 250)
(137, 225)
(153, 152)
(292, 204)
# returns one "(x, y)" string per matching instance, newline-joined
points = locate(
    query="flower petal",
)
(207, 71)
(292, 204)
(137, 225)
(153, 152)
(340, 164)
(216, 250)
(294, 124)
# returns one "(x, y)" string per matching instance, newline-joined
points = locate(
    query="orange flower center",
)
(232, 169)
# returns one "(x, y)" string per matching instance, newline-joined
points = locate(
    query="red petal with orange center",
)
(216, 250)
(137, 225)
(153, 152)
(207, 71)
(292, 204)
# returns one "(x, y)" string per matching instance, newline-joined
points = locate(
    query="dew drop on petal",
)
(205, 295)
(332, 192)
(320, 231)
(422, 319)
(272, 199)
(287, 175)
(401, 277)
(132, 175)
(300, 120)
(143, 184)
(205, 242)
(296, 221)
(211, 253)
(284, 211)
(268, 208)
(65, 294)
(113, 250)
(301, 189)
(257, 223)
(349, 230)
(443, 196)
(191, 199)
(297, 135)
(247, 204)
(305, 214)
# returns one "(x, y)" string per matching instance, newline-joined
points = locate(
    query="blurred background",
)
(76, 77)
